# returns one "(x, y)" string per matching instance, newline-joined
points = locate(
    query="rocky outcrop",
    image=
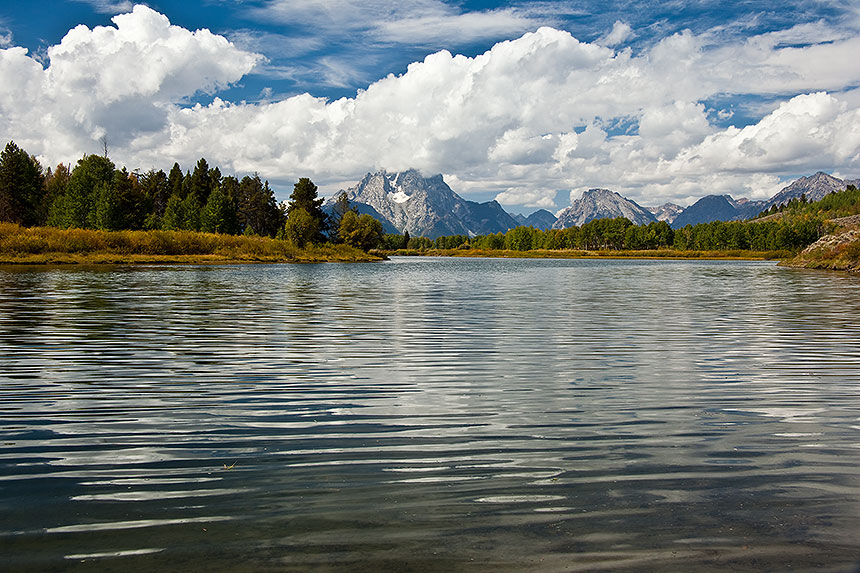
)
(839, 251)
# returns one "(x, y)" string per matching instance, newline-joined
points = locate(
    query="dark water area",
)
(430, 415)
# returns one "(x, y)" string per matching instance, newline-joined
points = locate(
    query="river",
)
(430, 414)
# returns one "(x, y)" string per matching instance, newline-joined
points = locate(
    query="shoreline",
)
(52, 246)
(334, 255)
(660, 254)
(46, 246)
(107, 259)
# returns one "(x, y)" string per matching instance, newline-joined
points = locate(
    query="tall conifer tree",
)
(22, 186)
(304, 196)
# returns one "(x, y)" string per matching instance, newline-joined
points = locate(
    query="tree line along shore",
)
(98, 213)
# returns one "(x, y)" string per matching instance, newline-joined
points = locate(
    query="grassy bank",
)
(667, 254)
(48, 245)
(839, 252)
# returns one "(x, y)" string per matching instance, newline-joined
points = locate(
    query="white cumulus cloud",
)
(530, 117)
(800, 134)
(117, 81)
(620, 32)
(544, 198)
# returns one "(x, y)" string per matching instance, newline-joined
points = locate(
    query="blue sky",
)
(526, 102)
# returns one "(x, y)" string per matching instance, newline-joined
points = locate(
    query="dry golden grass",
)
(48, 245)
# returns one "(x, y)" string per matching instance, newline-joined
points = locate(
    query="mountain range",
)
(428, 207)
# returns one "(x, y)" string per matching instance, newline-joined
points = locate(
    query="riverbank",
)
(48, 245)
(664, 254)
(839, 251)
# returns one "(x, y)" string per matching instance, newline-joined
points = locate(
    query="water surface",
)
(430, 414)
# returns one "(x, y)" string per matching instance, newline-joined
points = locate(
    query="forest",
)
(95, 194)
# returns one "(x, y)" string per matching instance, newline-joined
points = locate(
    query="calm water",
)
(430, 414)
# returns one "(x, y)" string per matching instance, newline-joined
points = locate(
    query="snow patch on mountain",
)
(666, 212)
(399, 197)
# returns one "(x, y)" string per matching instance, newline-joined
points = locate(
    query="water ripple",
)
(430, 414)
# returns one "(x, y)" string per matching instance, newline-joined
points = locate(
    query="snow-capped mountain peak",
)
(425, 206)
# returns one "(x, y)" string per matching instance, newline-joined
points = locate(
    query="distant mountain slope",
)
(666, 212)
(364, 209)
(541, 219)
(724, 208)
(815, 187)
(707, 209)
(602, 204)
(425, 206)
(747, 208)
(717, 208)
(485, 218)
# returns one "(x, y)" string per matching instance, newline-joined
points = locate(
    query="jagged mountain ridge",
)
(666, 212)
(425, 206)
(814, 187)
(601, 204)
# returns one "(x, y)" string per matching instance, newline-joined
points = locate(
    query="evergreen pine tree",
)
(55, 189)
(258, 210)
(156, 188)
(78, 206)
(200, 183)
(107, 209)
(219, 213)
(191, 209)
(175, 180)
(304, 196)
(341, 207)
(174, 218)
(22, 186)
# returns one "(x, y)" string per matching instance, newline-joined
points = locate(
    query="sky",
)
(526, 102)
